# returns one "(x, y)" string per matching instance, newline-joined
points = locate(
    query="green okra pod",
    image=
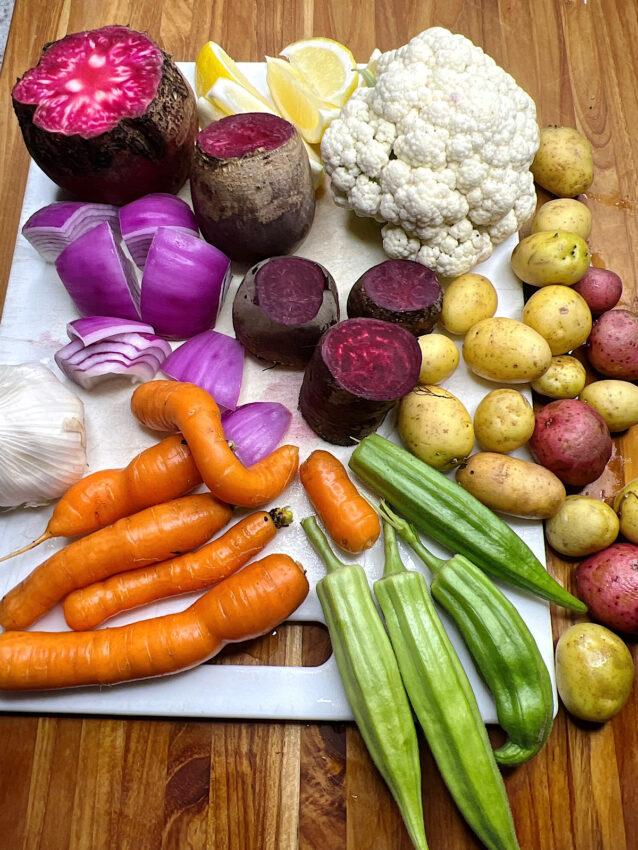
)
(371, 680)
(443, 701)
(454, 517)
(500, 643)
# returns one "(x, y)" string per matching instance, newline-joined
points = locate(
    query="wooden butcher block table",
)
(73, 781)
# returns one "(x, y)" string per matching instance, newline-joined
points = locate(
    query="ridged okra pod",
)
(500, 643)
(371, 680)
(453, 517)
(443, 700)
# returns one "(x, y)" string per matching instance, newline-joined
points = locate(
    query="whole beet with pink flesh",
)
(572, 440)
(607, 583)
(612, 346)
(108, 116)
(601, 289)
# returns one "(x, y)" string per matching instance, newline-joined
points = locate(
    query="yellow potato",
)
(563, 214)
(439, 358)
(616, 401)
(503, 420)
(594, 672)
(581, 526)
(565, 378)
(506, 350)
(466, 301)
(560, 315)
(435, 426)
(626, 506)
(511, 486)
(551, 256)
(564, 164)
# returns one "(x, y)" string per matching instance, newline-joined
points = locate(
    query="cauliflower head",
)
(439, 150)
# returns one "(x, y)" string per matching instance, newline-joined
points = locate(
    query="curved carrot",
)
(351, 522)
(146, 537)
(185, 407)
(162, 472)
(89, 606)
(250, 603)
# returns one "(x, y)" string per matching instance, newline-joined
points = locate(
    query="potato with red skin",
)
(572, 440)
(612, 346)
(607, 583)
(601, 289)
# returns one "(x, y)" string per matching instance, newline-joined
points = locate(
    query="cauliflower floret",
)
(439, 149)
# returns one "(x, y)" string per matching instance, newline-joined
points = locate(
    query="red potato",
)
(601, 289)
(612, 347)
(607, 582)
(572, 440)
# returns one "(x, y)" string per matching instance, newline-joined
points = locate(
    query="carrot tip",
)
(32, 545)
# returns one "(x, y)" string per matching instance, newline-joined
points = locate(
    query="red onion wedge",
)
(98, 276)
(256, 429)
(51, 229)
(136, 356)
(92, 329)
(213, 361)
(140, 219)
(184, 284)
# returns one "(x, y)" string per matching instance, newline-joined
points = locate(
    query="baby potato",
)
(560, 315)
(467, 300)
(511, 486)
(506, 350)
(551, 256)
(435, 426)
(565, 378)
(563, 214)
(594, 672)
(616, 401)
(581, 526)
(503, 420)
(626, 507)
(564, 164)
(439, 358)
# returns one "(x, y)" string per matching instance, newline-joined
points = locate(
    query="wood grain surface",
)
(115, 784)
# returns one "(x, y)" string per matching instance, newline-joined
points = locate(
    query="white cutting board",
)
(33, 327)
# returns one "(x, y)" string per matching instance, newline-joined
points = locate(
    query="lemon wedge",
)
(212, 64)
(296, 102)
(328, 68)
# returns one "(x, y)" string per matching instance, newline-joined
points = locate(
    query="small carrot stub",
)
(147, 537)
(185, 407)
(350, 521)
(90, 606)
(248, 604)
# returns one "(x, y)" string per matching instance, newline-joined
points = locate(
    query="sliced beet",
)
(108, 116)
(282, 307)
(360, 368)
(251, 186)
(401, 291)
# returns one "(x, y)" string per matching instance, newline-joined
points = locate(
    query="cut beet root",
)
(400, 291)
(251, 186)
(357, 372)
(282, 307)
(108, 116)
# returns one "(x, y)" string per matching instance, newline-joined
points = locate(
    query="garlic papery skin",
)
(42, 436)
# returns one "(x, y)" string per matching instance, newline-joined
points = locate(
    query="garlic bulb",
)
(42, 449)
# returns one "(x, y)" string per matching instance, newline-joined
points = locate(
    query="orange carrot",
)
(149, 536)
(185, 407)
(351, 522)
(250, 603)
(89, 606)
(162, 472)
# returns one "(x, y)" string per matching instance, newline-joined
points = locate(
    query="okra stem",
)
(409, 534)
(393, 563)
(321, 545)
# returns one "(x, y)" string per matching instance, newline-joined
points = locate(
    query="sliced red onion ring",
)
(133, 355)
(98, 276)
(214, 362)
(140, 219)
(184, 284)
(256, 429)
(52, 228)
(92, 329)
